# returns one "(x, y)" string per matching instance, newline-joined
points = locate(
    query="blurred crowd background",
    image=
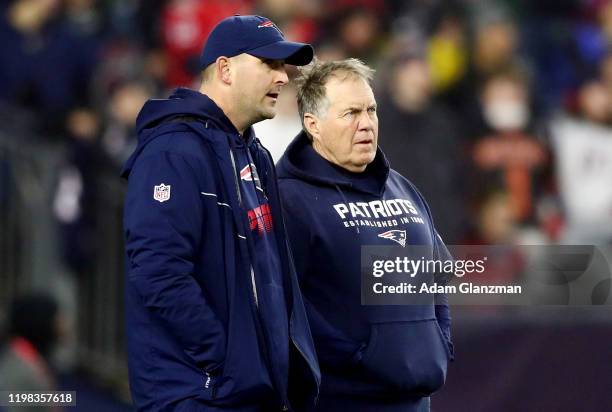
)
(499, 111)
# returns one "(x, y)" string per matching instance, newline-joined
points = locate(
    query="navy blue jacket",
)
(390, 352)
(194, 298)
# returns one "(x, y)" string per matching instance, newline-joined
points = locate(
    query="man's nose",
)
(281, 76)
(366, 121)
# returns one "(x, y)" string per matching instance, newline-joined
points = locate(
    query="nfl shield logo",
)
(161, 193)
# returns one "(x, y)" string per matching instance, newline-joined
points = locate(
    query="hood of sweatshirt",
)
(182, 103)
(303, 162)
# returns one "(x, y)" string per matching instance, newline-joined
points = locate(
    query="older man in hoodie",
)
(215, 320)
(373, 358)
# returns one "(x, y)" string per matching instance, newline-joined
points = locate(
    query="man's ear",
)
(311, 123)
(224, 69)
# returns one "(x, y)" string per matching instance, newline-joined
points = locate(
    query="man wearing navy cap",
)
(215, 319)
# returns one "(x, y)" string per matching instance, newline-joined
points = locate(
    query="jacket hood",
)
(182, 103)
(301, 161)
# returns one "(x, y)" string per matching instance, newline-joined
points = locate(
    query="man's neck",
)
(224, 103)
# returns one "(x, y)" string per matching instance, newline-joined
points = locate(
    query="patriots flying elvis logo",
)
(398, 236)
(247, 175)
(269, 24)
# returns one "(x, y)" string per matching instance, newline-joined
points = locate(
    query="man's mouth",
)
(364, 141)
(272, 95)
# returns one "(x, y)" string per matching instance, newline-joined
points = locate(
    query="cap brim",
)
(297, 54)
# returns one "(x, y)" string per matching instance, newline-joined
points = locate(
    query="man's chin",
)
(269, 114)
(367, 156)
(367, 159)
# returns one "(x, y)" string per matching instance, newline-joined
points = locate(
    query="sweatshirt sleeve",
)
(333, 347)
(163, 233)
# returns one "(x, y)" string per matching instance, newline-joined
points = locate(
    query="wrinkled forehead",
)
(348, 90)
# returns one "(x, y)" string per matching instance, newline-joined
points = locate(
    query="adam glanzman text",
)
(438, 268)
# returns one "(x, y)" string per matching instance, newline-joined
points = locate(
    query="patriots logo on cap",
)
(266, 23)
(398, 236)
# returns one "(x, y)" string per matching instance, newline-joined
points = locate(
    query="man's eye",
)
(274, 64)
(372, 110)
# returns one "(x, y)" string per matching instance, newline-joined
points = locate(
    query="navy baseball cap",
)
(254, 35)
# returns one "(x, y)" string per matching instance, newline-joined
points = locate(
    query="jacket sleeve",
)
(333, 347)
(162, 240)
(441, 300)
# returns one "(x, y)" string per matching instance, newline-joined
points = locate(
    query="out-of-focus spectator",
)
(75, 202)
(357, 29)
(119, 138)
(448, 53)
(496, 40)
(494, 48)
(45, 64)
(496, 223)
(509, 157)
(84, 16)
(297, 19)
(35, 325)
(185, 26)
(122, 62)
(582, 148)
(422, 142)
(331, 50)
(593, 36)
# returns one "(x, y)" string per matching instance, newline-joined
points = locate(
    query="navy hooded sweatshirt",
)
(213, 308)
(385, 352)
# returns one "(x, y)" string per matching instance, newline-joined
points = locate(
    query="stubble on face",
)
(257, 87)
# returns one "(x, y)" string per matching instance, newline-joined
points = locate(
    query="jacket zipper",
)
(209, 384)
(254, 287)
(235, 176)
(253, 284)
(290, 262)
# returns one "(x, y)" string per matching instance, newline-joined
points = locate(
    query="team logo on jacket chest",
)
(378, 213)
(248, 175)
(161, 192)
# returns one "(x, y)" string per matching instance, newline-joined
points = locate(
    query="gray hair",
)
(310, 84)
